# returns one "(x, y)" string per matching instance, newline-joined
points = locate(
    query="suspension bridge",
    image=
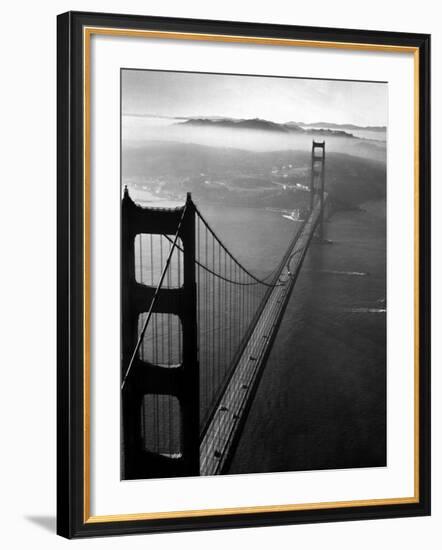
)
(197, 328)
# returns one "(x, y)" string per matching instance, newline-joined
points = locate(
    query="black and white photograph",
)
(253, 274)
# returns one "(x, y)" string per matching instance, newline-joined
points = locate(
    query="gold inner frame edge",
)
(87, 33)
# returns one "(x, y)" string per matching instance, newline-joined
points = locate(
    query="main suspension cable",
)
(214, 235)
(255, 282)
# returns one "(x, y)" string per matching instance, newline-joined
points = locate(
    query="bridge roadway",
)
(225, 425)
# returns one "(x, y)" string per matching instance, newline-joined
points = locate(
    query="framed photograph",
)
(243, 274)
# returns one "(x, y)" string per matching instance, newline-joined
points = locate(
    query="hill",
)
(260, 124)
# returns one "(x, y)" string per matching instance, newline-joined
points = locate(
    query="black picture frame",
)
(72, 520)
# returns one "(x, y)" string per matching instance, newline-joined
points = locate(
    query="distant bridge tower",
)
(317, 181)
(161, 384)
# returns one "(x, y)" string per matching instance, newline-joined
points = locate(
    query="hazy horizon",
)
(175, 95)
(215, 116)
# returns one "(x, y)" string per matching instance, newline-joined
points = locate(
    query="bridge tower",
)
(317, 181)
(148, 380)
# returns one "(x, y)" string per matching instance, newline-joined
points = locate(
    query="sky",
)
(175, 94)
